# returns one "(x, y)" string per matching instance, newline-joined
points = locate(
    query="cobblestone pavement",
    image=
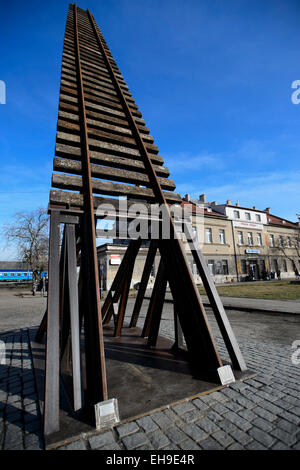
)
(260, 413)
(20, 422)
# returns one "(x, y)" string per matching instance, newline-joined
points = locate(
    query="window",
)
(243, 266)
(271, 239)
(19, 274)
(259, 239)
(224, 266)
(257, 217)
(211, 266)
(240, 238)
(208, 235)
(222, 236)
(250, 238)
(236, 214)
(12, 274)
(248, 215)
(218, 269)
(280, 240)
(284, 266)
(288, 242)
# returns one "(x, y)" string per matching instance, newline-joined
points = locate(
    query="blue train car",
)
(18, 275)
(15, 275)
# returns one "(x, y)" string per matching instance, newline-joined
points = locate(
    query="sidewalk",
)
(260, 413)
(247, 304)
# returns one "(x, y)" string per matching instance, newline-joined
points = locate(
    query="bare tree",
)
(286, 245)
(29, 232)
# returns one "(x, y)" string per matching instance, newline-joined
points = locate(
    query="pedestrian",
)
(278, 274)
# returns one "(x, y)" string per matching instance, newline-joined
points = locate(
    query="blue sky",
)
(212, 79)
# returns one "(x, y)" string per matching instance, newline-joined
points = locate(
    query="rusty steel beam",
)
(95, 361)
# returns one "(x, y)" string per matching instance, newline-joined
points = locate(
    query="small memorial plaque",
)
(226, 375)
(107, 413)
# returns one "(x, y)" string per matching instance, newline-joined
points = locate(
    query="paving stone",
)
(265, 414)
(223, 438)
(188, 444)
(13, 417)
(158, 439)
(240, 436)
(203, 406)
(101, 440)
(28, 417)
(280, 446)
(219, 397)
(33, 442)
(13, 398)
(240, 422)
(127, 428)
(245, 402)
(235, 446)
(288, 439)
(274, 409)
(194, 432)
(33, 426)
(233, 406)
(254, 445)
(219, 408)
(162, 420)
(290, 417)
(210, 444)
(147, 424)
(227, 426)
(76, 445)
(247, 414)
(287, 426)
(147, 447)
(175, 435)
(263, 424)
(171, 446)
(207, 425)
(262, 437)
(183, 407)
(207, 399)
(135, 440)
(171, 415)
(191, 416)
(13, 437)
(213, 416)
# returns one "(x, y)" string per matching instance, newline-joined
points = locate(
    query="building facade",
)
(238, 243)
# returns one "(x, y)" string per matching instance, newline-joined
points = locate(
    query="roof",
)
(274, 220)
(207, 211)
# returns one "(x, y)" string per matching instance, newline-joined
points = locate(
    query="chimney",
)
(214, 203)
(255, 208)
(229, 202)
(237, 204)
(267, 209)
(187, 197)
(202, 198)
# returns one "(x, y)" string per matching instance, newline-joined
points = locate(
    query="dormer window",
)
(236, 214)
(247, 216)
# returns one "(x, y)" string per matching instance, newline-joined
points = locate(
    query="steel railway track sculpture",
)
(103, 148)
